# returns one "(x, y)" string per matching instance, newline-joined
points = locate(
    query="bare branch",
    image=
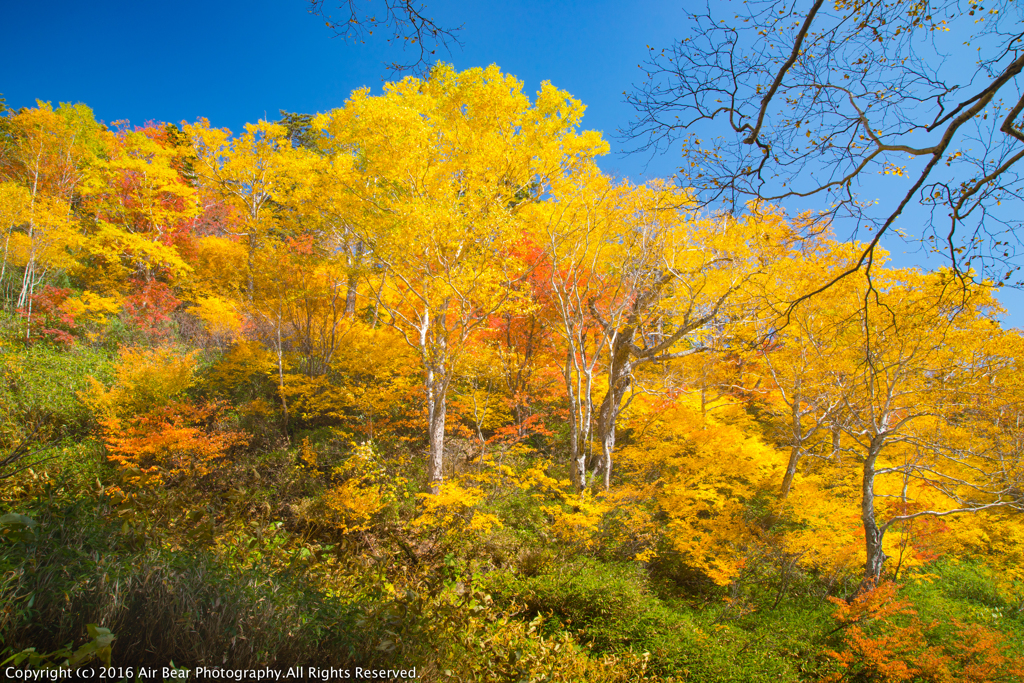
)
(801, 107)
(405, 20)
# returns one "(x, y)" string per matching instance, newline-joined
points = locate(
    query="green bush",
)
(39, 386)
(610, 607)
(162, 604)
(966, 592)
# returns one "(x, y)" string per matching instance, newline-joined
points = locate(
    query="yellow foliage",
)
(50, 239)
(118, 248)
(354, 504)
(362, 489)
(90, 307)
(243, 361)
(701, 473)
(219, 266)
(247, 172)
(14, 208)
(577, 521)
(535, 477)
(372, 388)
(478, 402)
(219, 316)
(454, 512)
(827, 532)
(997, 538)
(144, 379)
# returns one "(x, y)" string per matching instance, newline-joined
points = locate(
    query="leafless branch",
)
(405, 20)
(802, 103)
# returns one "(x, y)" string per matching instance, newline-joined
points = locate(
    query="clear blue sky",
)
(235, 62)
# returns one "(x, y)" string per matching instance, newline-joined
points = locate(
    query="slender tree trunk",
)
(28, 321)
(376, 305)
(353, 282)
(436, 413)
(787, 480)
(798, 439)
(579, 382)
(280, 377)
(7, 242)
(250, 266)
(577, 453)
(873, 534)
(607, 449)
(620, 377)
(478, 416)
(27, 284)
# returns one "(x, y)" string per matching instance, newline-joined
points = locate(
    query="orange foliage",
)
(149, 423)
(885, 640)
(171, 442)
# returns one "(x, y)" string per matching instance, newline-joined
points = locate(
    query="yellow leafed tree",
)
(442, 169)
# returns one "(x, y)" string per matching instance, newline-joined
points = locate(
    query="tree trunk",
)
(620, 378)
(353, 282)
(577, 456)
(787, 480)
(280, 378)
(250, 266)
(873, 534)
(580, 387)
(436, 412)
(607, 449)
(798, 439)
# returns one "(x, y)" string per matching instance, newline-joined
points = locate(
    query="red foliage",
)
(149, 308)
(178, 442)
(48, 320)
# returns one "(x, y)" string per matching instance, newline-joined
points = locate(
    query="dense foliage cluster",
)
(414, 383)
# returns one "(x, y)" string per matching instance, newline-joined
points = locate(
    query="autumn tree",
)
(794, 352)
(574, 226)
(639, 282)
(251, 172)
(441, 169)
(675, 304)
(49, 153)
(15, 201)
(795, 102)
(138, 204)
(298, 307)
(909, 368)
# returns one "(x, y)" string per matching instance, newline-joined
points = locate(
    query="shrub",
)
(188, 606)
(611, 608)
(39, 386)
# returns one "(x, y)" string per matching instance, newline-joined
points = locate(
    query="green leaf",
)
(16, 521)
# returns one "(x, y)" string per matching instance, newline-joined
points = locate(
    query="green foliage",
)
(187, 606)
(610, 607)
(968, 591)
(965, 582)
(98, 647)
(39, 386)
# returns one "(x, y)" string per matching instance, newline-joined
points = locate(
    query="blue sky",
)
(235, 62)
